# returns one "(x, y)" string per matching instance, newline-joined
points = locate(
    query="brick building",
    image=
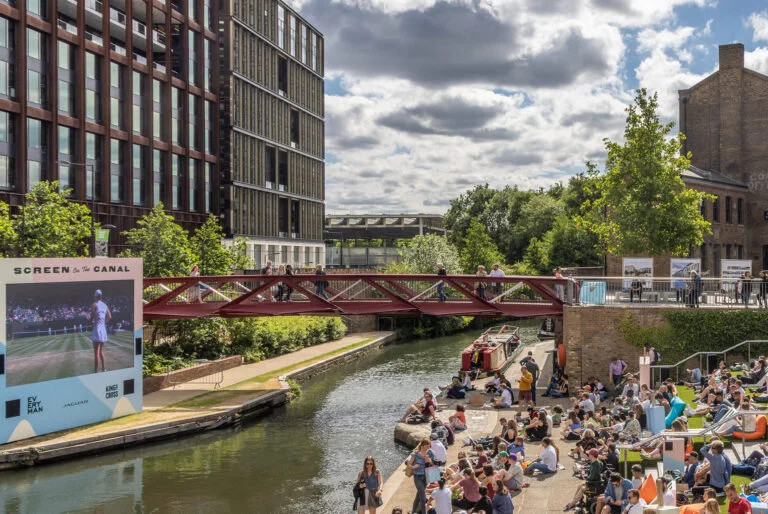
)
(725, 120)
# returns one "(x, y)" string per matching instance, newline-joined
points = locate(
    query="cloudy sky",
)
(425, 98)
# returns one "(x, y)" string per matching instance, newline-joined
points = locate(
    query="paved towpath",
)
(181, 392)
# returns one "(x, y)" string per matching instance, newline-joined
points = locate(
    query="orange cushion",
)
(693, 508)
(759, 432)
(648, 490)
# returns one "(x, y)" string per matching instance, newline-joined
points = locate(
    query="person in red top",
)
(736, 503)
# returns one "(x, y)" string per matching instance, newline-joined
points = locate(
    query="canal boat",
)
(492, 351)
(547, 330)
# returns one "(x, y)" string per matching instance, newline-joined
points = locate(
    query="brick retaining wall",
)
(155, 383)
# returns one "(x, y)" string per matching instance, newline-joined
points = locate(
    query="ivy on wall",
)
(690, 331)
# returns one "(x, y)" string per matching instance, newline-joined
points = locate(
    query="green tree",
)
(207, 250)
(162, 243)
(8, 237)
(238, 251)
(643, 205)
(422, 253)
(478, 248)
(537, 255)
(49, 225)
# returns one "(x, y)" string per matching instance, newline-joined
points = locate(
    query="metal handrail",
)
(708, 353)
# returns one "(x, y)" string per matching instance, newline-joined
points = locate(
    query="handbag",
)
(408, 469)
(433, 474)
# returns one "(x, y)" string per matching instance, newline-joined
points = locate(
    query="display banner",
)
(680, 271)
(101, 242)
(70, 347)
(637, 267)
(732, 270)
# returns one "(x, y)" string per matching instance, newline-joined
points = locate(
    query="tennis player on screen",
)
(100, 316)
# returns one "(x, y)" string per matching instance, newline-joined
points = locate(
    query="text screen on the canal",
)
(53, 332)
(70, 344)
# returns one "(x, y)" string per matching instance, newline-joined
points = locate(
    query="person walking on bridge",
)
(480, 286)
(441, 272)
(496, 287)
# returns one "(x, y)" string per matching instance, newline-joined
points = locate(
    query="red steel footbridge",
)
(351, 294)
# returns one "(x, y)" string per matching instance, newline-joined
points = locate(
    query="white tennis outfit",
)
(100, 323)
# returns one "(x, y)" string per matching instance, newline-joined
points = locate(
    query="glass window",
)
(65, 56)
(716, 209)
(116, 187)
(91, 105)
(38, 8)
(91, 149)
(192, 57)
(6, 172)
(192, 122)
(740, 212)
(138, 83)
(176, 178)
(194, 166)
(158, 166)
(5, 127)
(208, 186)
(115, 114)
(34, 174)
(66, 98)
(304, 43)
(35, 49)
(35, 92)
(6, 34)
(156, 91)
(91, 66)
(314, 51)
(65, 140)
(208, 56)
(34, 133)
(114, 75)
(293, 35)
(138, 175)
(281, 26)
(728, 208)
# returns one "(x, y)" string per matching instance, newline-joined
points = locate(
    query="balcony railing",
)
(117, 16)
(90, 36)
(159, 67)
(662, 292)
(139, 28)
(158, 37)
(118, 49)
(72, 29)
(95, 6)
(139, 58)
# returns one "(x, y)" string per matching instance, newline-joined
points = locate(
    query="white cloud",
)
(757, 60)
(759, 24)
(442, 96)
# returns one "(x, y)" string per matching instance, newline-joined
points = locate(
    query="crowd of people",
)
(598, 421)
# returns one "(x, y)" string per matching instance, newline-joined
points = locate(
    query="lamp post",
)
(88, 165)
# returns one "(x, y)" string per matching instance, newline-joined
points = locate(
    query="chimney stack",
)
(731, 56)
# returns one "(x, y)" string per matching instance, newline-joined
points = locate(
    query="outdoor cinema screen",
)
(64, 330)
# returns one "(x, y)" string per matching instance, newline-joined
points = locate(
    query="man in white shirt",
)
(636, 504)
(496, 287)
(547, 460)
(441, 455)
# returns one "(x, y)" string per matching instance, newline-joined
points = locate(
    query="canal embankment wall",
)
(70, 445)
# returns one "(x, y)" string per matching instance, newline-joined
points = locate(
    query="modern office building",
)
(272, 131)
(116, 99)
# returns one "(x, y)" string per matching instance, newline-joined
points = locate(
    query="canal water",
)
(302, 458)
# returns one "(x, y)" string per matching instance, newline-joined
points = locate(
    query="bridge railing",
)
(666, 291)
(352, 294)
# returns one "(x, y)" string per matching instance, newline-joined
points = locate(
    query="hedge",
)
(693, 330)
(254, 338)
